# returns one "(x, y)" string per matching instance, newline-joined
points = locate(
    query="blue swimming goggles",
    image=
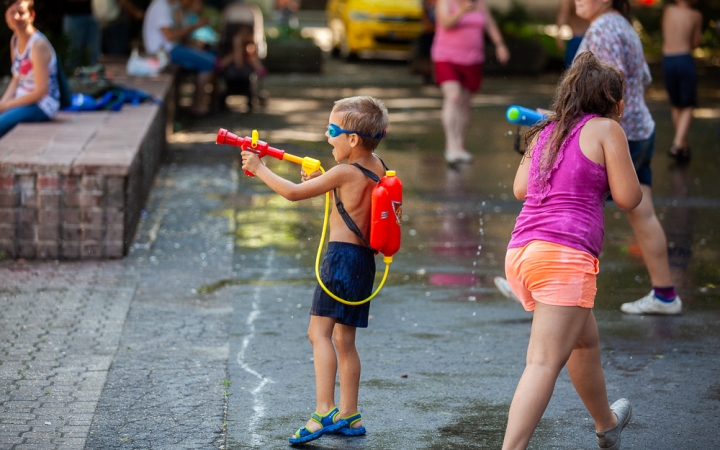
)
(335, 131)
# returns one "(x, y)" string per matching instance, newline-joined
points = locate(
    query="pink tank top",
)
(462, 44)
(568, 208)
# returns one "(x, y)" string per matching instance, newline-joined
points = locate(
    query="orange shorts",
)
(552, 274)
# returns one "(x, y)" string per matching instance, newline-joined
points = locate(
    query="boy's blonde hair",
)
(363, 114)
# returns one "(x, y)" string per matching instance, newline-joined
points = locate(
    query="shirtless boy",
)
(355, 128)
(681, 27)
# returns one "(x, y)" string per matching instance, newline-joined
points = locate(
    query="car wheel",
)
(345, 50)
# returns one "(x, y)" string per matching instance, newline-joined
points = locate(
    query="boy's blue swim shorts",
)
(348, 271)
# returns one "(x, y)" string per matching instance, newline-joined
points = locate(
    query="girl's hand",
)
(306, 177)
(502, 53)
(469, 6)
(250, 162)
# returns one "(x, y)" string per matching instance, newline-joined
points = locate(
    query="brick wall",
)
(55, 216)
(74, 188)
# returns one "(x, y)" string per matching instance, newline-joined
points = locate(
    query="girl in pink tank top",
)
(573, 159)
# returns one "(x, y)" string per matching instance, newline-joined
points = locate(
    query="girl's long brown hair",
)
(587, 87)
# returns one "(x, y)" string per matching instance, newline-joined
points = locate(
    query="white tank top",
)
(22, 68)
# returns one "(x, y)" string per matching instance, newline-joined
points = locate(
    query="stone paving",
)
(60, 330)
(80, 367)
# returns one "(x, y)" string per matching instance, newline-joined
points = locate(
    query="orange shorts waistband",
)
(553, 274)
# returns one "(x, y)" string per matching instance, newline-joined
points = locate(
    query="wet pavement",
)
(198, 338)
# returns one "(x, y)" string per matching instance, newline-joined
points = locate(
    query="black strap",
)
(341, 208)
(383, 162)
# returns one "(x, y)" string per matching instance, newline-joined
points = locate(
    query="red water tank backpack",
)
(385, 215)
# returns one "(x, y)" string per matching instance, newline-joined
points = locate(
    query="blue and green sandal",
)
(327, 422)
(348, 430)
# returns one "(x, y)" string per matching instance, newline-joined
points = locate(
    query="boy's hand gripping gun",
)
(386, 211)
(261, 148)
(522, 117)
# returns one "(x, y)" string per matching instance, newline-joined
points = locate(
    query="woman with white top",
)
(33, 94)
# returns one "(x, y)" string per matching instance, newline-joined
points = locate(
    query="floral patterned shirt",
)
(614, 41)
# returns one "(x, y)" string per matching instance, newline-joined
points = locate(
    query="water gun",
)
(385, 212)
(523, 116)
(261, 148)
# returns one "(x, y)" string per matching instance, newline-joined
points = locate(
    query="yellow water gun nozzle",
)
(310, 165)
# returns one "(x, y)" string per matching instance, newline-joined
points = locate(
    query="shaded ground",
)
(440, 321)
(205, 321)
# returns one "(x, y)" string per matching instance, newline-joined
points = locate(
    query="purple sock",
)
(665, 294)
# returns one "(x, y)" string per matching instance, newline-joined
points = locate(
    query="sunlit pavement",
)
(213, 351)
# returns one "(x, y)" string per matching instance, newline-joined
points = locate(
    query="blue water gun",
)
(522, 116)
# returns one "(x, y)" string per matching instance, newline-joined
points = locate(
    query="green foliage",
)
(517, 22)
(517, 14)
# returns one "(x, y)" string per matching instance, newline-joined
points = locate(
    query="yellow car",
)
(374, 26)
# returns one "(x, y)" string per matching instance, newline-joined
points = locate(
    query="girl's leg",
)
(320, 333)
(555, 330)
(466, 99)
(349, 364)
(21, 114)
(585, 369)
(453, 116)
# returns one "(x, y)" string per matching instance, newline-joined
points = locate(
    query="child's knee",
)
(344, 342)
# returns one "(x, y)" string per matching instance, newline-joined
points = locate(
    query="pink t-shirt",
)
(462, 44)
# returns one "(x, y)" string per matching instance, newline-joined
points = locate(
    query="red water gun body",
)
(249, 144)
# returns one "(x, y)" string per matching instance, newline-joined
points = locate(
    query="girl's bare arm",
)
(40, 56)
(624, 185)
(520, 184)
(501, 51)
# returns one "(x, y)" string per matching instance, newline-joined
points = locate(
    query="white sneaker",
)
(651, 305)
(504, 288)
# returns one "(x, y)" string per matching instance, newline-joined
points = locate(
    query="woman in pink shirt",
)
(458, 52)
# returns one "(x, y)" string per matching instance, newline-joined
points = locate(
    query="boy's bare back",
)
(681, 27)
(356, 194)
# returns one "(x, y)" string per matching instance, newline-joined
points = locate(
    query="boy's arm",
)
(291, 191)
(697, 31)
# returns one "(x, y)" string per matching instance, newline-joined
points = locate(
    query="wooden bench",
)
(74, 188)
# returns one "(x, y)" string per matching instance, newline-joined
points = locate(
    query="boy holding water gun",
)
(355, 128)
